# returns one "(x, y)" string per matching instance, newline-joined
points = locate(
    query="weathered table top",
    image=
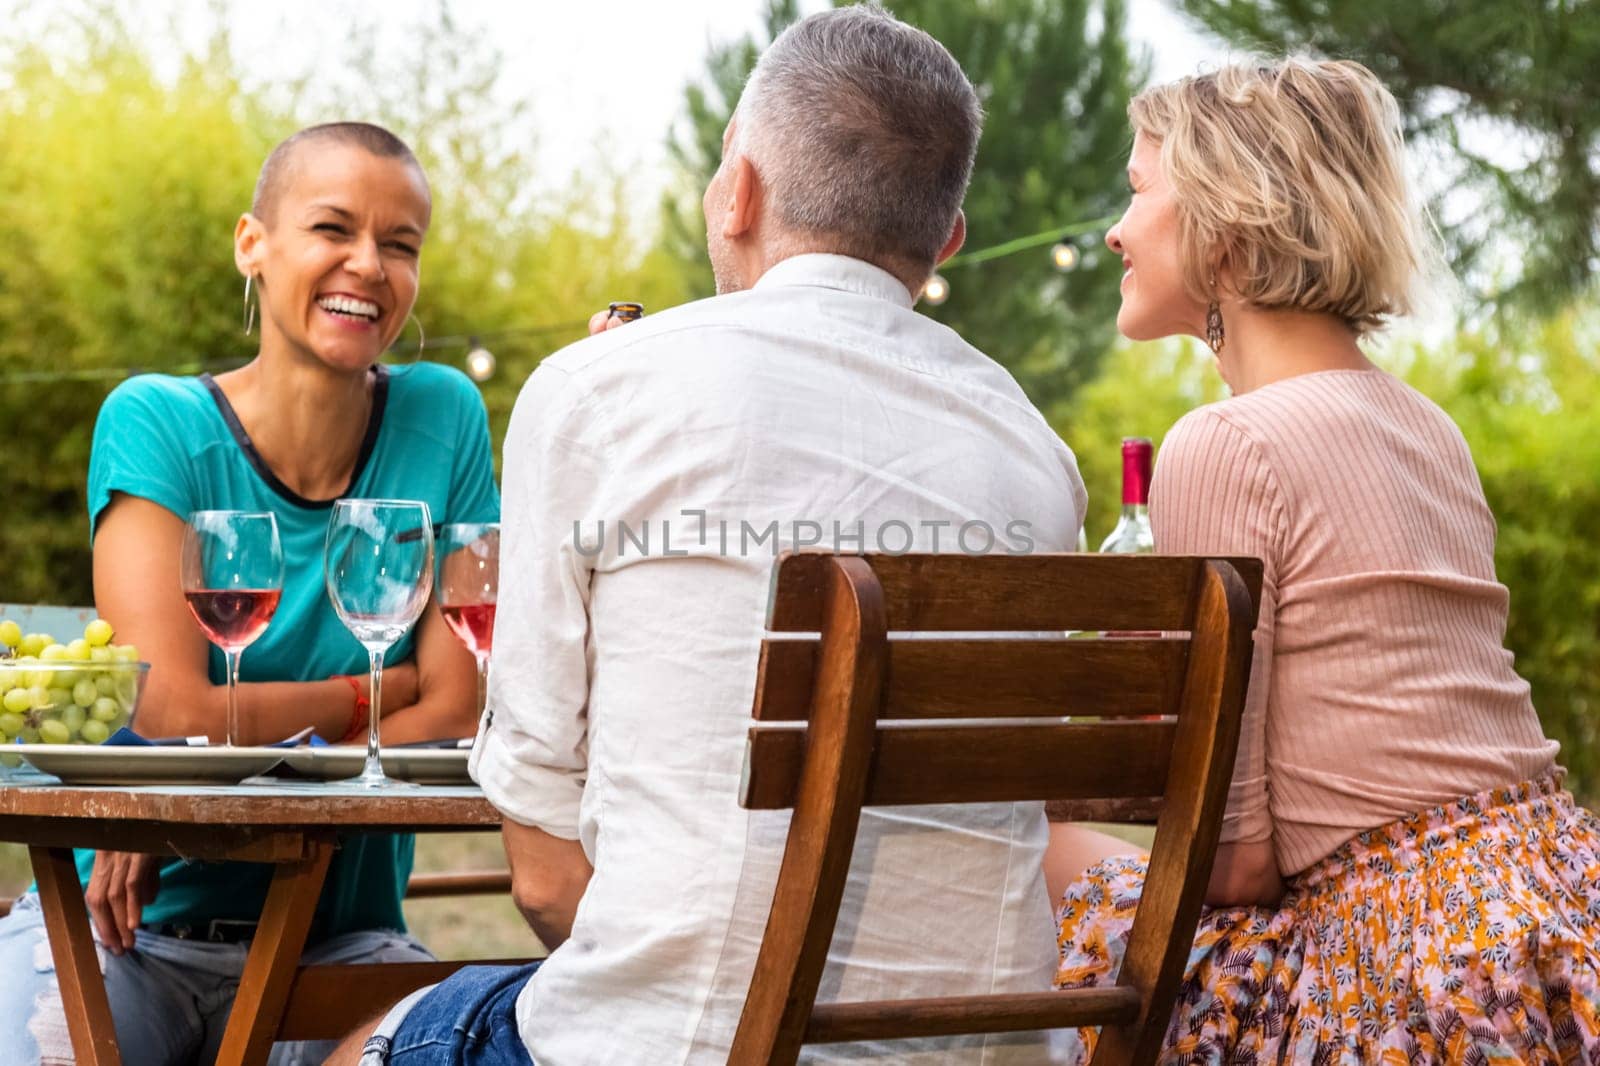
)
(317, 803)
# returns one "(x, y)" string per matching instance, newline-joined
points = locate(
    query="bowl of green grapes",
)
(79, 692)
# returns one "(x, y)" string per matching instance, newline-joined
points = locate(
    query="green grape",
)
(98, 633)
(95, 732)
(33, 644)
(59, 697)
(106, 684)
(78, 650)
(10, 633)
(119, 721)
(39, 678)
(38, 696)
(53, 653)
(11, 724)
(104, 709)
(53, 732)
(100, 655)
(127, 690)
(85, 692)
(29, 735)
(125, 653)
(73, 718)
(10, 677)
(17, 701)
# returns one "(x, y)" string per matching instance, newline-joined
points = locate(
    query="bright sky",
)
(606, 72)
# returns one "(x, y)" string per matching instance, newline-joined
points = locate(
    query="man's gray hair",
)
(863, 129)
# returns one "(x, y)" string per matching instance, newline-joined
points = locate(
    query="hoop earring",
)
(422, 342)
(249, 308)
(1216, 336)
(422, 338)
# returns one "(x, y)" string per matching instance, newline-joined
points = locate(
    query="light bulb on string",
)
(480, 362)
(936, 290)
(1064, 256)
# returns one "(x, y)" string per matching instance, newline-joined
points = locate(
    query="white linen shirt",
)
(622, 675)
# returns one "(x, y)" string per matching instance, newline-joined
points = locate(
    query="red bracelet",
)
(361, 712)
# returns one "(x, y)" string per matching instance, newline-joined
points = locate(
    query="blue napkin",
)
(126, 737)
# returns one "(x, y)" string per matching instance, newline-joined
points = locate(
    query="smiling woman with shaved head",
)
(330, 254)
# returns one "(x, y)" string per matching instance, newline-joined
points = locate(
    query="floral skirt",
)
(1469, 933)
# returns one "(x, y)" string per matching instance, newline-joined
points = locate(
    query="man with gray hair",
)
(652, 474)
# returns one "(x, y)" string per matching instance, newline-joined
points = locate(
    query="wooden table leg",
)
(274, 956)
(83, 987)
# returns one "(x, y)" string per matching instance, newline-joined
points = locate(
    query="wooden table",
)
(294, 826)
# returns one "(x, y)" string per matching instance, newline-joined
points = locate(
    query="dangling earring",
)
(249, 308)
(1216, 337)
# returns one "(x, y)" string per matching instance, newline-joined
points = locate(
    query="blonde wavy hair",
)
(1294, 173)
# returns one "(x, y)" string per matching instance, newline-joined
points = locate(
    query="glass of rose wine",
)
(378, 561)
(232, 571)
(466, 586)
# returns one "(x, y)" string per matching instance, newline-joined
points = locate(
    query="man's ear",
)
(247, 236)
(958, 237)
(744, 199)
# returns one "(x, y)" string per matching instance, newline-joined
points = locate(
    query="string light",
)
(1064, 255)
(480, 362)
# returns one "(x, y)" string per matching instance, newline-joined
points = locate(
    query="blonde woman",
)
(1402, 878)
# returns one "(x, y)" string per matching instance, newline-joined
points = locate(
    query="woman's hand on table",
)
(122, 883)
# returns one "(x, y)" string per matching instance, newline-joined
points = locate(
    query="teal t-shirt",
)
(176, 441)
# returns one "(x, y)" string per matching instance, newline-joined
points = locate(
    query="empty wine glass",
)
(379, 568)
(466, 585)
(232, 573)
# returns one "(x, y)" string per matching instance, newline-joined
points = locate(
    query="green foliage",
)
(1494, 71)
(697, 153)
(1525, 402)
(1054, 77)
(1142, 390)
(119, 190)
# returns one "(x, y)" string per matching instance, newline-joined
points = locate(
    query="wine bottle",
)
(1132, 534)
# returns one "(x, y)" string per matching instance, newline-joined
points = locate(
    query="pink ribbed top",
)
(1381, 684)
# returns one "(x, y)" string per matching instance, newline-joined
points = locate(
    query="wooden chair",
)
(850, 678)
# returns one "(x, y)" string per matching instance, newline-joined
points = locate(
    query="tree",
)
(1055, 77)
(1466, 76)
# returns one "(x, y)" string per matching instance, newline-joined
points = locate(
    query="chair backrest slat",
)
(983, 593)
(951, 681)
(963, 678)
(992, 764)
(833, 1023)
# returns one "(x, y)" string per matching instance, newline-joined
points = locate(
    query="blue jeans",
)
(468, 1019)
(169, 998)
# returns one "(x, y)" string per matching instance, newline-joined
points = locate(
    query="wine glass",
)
(466, 585)
(232, 571)
(379, 569)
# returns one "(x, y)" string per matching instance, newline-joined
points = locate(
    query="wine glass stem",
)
(231, 657)
(374, 768)
(483, 684)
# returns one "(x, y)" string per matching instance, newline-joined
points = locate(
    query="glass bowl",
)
(67, 702)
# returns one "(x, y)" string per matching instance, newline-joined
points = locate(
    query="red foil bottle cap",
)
(1136, 453)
